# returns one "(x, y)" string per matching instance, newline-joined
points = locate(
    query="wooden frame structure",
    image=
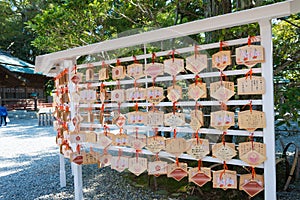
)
(52, 64)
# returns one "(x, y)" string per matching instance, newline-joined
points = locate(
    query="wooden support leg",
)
(62, 171)
(78, 182)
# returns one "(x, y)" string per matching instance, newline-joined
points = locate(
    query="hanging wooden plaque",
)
(249, 55)
(136, 117)
(224, 152)
(196, 119)
(104, 141)
(119, 120)
(155, 94)
(77, 138)
(177, 171)
(221, 60)
(252, 85)
(253, 153)
(66, 151)
(88, 159)
(91, 137)
(137, 165)
(118, 95)
(174, 93)
(251, 120)
(88, 95)
(154, 69)
(174, 120)
(176, 146)
(222, 94)
(120, 140)
(76, 78)
(199, 177)
(157, 168)
(75, 97)
(103, 74)
(196, 63)
(198, 148)
(76, 158)
(225, 179)
(156, 143)
(102, 96)
(174, 66)
(135, 94)
(155, 118)
(137, 141)
(119, 163)
(222, 120)
(89, 74)
(197, 91)
(216, 85)
(251, 185)
(135, 70)
(105, 160)
(118, 72)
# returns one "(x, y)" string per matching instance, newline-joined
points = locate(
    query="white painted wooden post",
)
(268, 108)
(78, 182)
(62, 171)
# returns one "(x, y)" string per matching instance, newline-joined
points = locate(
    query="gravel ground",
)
(29, 169)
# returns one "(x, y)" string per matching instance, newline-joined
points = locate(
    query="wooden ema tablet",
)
(154, 69)
(174, 120)
(120, 140)
(136, 117)
(119, 120)
(252, 186)
(177, 171)
(176, 146)
(119, 163)
(221, 60)
(137, 165)
(77, 138)
(174, 93)
(88, 95)
(196, 119)
(89, 75)
(76, 158)
(102, 95)
(222, 120)
(252, 153)
(216, 85)
(197, 91)
(135, 70)
(157, 168)
(66, 151)
(173, 66)
(103, 74)
(118, 95)
(155, 118)
(249, 55)
(155, 94)
(251, 120)
(88, 159)
(224, 152)
(90, 137)
(196, 63)
(138, 142)
(105, 160)
(135, 94)
(198, 149)
(104, 141)
(225, 179)
(252, 85)
(199, 177)
(222, 94)
(156, 143)
(118, 72)
(76, 78)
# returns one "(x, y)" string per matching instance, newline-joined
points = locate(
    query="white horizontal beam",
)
(44, 62)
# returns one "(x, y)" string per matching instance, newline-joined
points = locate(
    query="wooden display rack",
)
(54, 63)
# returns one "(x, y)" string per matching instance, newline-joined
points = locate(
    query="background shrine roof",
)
(14, 64)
